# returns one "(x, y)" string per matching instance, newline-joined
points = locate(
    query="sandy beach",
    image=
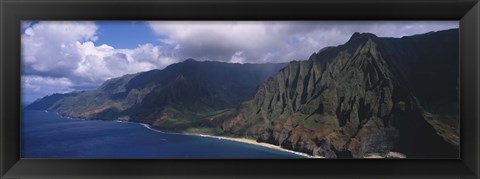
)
(253, 142)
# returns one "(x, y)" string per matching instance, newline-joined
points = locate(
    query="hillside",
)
(178, 98)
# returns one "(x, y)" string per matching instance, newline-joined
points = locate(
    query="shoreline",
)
(390, 154)
(254, 142)
(240, 140)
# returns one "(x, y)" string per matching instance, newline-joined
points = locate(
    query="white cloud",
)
(215, 40)
(37, 83)
(62, 56)
(49, 47)
(238, 57)
(275, 41)
(34, 87)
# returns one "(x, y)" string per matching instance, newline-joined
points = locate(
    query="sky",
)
(65, 56)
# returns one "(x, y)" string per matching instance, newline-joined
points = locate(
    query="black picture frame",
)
(13, 11)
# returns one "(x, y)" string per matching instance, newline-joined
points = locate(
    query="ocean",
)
(49, 135)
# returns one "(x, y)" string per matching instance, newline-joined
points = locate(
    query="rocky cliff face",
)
(370, 95)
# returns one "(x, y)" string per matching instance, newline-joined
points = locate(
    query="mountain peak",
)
(190, 60)
(362, 36)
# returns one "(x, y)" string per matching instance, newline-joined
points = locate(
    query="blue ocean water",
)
(49, 135)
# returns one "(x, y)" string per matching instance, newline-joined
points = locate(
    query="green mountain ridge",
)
(176, 98)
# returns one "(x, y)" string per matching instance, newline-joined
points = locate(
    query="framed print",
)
(239, 89)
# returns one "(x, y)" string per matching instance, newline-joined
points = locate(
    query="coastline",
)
(240, 140)
(252, 142)
(390, 154)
